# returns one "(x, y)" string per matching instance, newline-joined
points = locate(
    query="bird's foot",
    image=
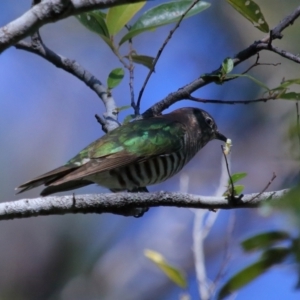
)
(136, 212)
(233, 199)
(139, 211)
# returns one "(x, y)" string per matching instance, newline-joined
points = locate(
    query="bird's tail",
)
(51, 177)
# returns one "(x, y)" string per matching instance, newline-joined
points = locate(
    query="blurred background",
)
(47, 116)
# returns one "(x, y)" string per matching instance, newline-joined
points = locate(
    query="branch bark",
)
(36, 46)
(123, 202)
(281, 52)
(185, 91)
(49, 11)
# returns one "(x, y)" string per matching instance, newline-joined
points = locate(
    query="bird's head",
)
(208, 124)
(205, 124)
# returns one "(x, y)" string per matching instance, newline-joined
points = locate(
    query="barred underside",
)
(148, 172)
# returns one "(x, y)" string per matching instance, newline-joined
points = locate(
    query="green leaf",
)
(115, 77)
(95, 22)
(123, 107)
(238, 189)
(267, 260)
(176, 275)
(275, 255)
(163, 14)
(144, 60)
(227, 65)
(251, 78)
(285, 84)
(290, 96)
(295, 249)
(264, 240)
(289, 82)
(251, 11)
(118, 16)
(236, 177)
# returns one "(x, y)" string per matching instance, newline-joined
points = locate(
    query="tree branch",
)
(281, 52)
(218, 101)
(37, 47)
(49, 11)
(286, 22)
(185, 91)
(117, 203)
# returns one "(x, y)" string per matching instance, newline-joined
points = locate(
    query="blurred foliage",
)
(274, 247)
(175, 274)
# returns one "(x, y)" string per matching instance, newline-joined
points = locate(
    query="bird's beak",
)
(220, 136)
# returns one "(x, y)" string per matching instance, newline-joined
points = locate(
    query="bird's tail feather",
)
(67, 186)
(46, 178)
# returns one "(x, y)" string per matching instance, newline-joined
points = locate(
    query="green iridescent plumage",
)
(135, 155)
(141, 138)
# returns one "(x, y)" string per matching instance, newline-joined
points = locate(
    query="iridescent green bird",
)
(135, 155)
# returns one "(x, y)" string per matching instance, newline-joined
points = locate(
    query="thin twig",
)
(298, 126)
(254, 65)
(227, 253)
(115, 50)
(160, 52)
(228, 172)
(199, 255)
(259, 64)
(281, 52)
(131, 78)
(265, 188)
(218, 101)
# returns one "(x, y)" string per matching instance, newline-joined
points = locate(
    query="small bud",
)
(227, 147)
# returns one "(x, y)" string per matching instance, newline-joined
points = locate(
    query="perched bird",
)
(135, 155)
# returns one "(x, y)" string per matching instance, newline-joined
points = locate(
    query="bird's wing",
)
(132, 143)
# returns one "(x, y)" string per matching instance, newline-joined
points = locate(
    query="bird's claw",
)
(234, 199)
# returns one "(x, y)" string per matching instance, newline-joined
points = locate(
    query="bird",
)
(135, 155)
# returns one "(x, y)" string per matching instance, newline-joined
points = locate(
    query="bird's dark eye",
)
(209, 121)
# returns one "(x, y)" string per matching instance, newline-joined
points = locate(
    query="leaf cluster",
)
(274, 247)
(108, 25)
